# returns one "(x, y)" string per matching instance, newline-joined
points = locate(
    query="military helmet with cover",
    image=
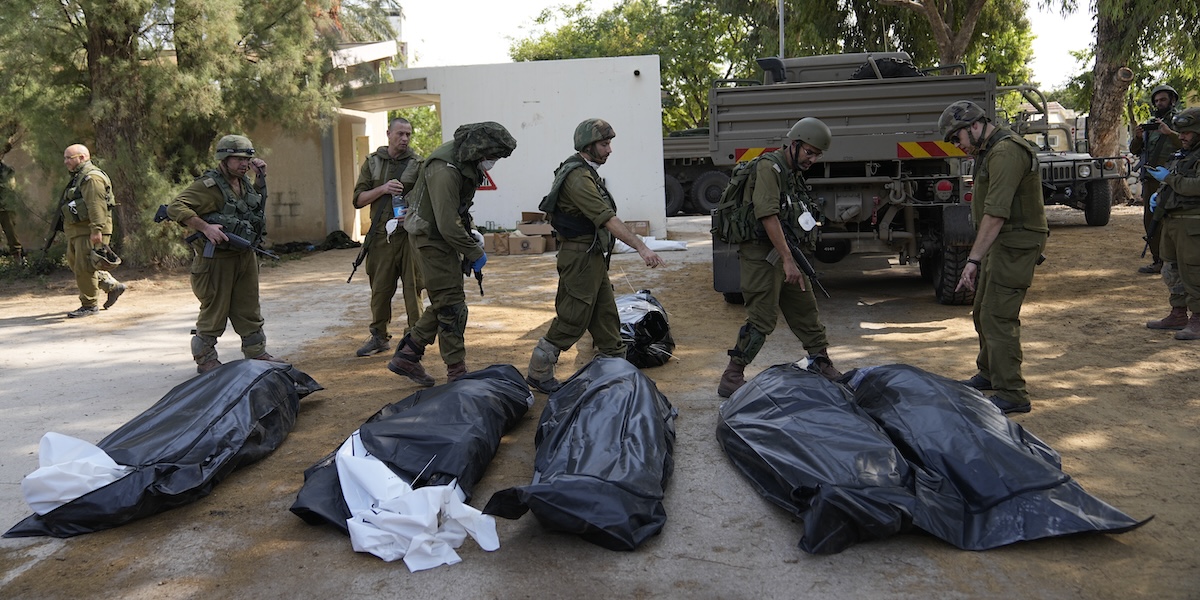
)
(475, 142)
(1164, 88)
(234, 145)
(1188, 120)
(591, 131)
(104, 259)
(813, 132)
(959, 115)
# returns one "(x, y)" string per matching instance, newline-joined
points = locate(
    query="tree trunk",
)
(1111, 85)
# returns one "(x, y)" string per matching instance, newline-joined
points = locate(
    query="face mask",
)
(487, 165)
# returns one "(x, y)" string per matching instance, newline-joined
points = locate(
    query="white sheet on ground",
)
(391, 520)
(652, 243)
(68, 468)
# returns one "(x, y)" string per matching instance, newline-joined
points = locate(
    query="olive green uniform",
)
(8, 192)
(226, 284)
(1158, 149)
(441, 202)
(585, 300)
(1179, 201)
(390, 260)
(775, 190)
(86, 206)
(1008, 185)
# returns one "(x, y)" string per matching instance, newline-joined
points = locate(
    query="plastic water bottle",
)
(399, 206)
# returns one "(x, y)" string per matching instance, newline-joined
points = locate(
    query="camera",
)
(1152, 123)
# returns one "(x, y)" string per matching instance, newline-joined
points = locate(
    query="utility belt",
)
(580, 246)
(1171, 216)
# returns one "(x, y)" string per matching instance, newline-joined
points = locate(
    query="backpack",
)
(733, 218)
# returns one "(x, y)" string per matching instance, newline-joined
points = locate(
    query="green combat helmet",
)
(957, 116)
(809, 130)
(591, 131)
(478, 141)
(104, 259)
(1165, 88)
(1188, 120)
(234, 145)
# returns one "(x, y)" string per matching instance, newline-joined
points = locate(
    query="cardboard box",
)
(551, 243)
(533, 217)
(526, 244)
(535, 229)
(639, 227)
(495, 244)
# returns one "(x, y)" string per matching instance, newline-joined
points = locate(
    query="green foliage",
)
(35, 266)
(427, 128)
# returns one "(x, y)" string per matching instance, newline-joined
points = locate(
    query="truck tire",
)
(945, 277)
(673, 191)
(1098, 207)
(888, 68)
(707, 190)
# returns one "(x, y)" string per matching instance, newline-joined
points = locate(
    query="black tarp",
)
(604, 455)
(645, 330)
(441, 434)
(184, 445)
(904, 448)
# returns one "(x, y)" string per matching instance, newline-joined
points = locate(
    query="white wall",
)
(540, 103)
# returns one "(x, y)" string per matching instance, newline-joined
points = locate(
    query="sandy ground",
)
(1118, 401)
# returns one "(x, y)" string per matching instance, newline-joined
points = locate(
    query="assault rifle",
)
(802, 261)
(362, 255)
(57, 227)
(235, 240)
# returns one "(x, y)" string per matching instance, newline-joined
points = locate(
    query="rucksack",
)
(733, 218)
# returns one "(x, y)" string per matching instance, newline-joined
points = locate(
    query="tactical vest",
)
(420, 219)
(379, 162)
(1187, 165)
(569, 225)
(1156, 153)
(242, 216)
(78, 212)
(735, 221)
(1016, 217)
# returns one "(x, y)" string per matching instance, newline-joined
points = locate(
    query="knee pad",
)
(453, 318)
(204, 348)
(749, 342)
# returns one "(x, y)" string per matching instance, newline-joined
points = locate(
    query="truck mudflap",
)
(957, 229)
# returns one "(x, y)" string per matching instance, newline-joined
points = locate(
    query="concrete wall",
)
(541, 103)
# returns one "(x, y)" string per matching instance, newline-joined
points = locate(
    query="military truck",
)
(888, 184)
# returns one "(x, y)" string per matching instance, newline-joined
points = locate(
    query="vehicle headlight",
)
(1085, 171)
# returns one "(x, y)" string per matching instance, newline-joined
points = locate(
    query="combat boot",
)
(113, 294)
(267, 357)
(1178, 319)
(375, 344)
(732, 379)
(83, 311)
(1192, 331)
(406, 362)
(540, 375)
(456, 370)
(207, 366)
(1153, 268)
(820, 364)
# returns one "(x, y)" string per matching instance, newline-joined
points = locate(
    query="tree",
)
(149, 85)
(427, 128)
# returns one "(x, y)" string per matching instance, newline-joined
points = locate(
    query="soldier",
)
(1010, 221)
(86, 207)
(8, 184)
(772, 285)
(219, 201)
(1155, 144)
(385, 175)
(1179, 203)
(583, 212)
(439, 222)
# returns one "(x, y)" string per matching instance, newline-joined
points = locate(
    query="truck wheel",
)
(929, 266)
(889, 68)
(674, 195)
(1098, 207)
(945, 277)
(707, 190)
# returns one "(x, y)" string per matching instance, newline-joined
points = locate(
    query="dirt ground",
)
(1118, 401)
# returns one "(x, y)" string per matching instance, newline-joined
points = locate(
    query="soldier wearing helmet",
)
(771, 280)
(222, 200)
(1011, 232)
(1154, 142)
(1179, 205)
(86, 208)
(441, 228)
(584, 214)
(384, 178)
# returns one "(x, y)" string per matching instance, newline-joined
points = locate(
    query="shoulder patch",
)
(209, 181)
(775, 165)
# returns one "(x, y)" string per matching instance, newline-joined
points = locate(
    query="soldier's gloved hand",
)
(1153, 201)
(477, 266)
(1159, 173)
(478, 237)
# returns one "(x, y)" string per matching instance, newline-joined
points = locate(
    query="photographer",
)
(1154, 142)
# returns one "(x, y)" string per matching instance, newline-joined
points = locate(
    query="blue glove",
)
(1153, 201)
(477, 266)
(1159, 173)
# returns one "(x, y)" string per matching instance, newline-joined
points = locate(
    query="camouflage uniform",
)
(226, 284)
(1179, 203)
(1158, 148)
(86, 206)
(775, 191)
(1008, 185)
(8, 184)
(390, 260)
(439, 223)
